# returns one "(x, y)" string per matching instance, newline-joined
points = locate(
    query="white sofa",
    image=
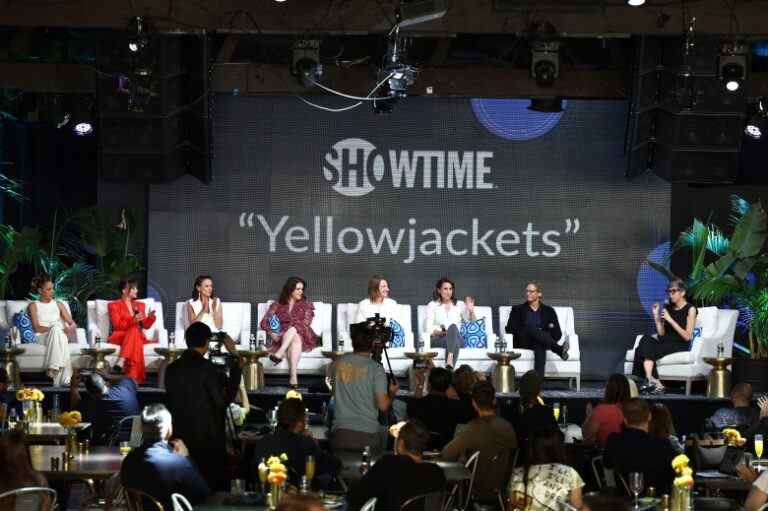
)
(34, 353)
(475, 357)
(237, 322)
(555, 367)
(713, 326)
(157, 335)
(312, 361)
(345, 315)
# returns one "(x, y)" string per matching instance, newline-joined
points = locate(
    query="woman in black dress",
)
(674, 326)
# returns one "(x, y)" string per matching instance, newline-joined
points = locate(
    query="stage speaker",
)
(155, 127)
(682, 125)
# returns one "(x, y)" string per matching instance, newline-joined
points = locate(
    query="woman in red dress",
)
(128, 317)
(288, 323)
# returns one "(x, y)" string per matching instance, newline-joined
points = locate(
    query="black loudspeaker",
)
(156, 127)
(683, 125)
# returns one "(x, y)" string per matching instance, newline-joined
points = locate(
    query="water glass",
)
(237, 487)
(636, 486)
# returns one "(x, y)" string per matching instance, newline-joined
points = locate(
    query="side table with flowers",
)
(69, 421)
(31, 402)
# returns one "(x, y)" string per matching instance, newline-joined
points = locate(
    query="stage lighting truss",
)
(545, 62)
(757, 119)
(733, 66)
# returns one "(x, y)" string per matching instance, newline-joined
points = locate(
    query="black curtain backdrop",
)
(486, 192)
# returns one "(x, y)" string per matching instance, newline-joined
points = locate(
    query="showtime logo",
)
(355, 167)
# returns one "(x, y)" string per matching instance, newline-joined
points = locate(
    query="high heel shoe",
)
(275, 360)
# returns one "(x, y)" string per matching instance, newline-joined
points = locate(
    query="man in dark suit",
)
(535, 327)
(161, 468)
(636, 450)
(198, 394)
(292, 438)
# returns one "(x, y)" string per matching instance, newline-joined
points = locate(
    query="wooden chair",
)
(31, 498)
(137, 500)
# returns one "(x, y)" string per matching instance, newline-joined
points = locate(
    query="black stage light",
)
(733, 66)
(548, 105)
(756, 121)
(545, 62)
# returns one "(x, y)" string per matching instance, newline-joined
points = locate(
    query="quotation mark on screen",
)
(246, 219)
(570, 226)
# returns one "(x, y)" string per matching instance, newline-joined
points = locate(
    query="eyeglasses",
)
(673, 290)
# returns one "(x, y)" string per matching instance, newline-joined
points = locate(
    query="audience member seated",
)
(161, 467)
(16, 466)
(293, 439)
(360, 391)
(636, 450)
(758, 495)
(439, 412)
(545, 480)
(395, 478)
(104, 404)
(606, 417)
(663, 427)
(463, 381)
(6, 402)
(740, 416)
(492, 436)
(534, 414)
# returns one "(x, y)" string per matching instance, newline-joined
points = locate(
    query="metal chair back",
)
(29, 498)
(605, 477)
(369, 505)
(434, 501)
(121, 430)
(137, 500)
(180, 503)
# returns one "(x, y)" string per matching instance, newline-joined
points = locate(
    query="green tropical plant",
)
(733, 270)
(16, 248)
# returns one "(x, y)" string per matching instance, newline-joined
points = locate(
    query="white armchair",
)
(237, 322)
(345, 315)
(157, 335)
(555, 367)
(34, 353)
(475, 357)
(313, 361)
(713, 326)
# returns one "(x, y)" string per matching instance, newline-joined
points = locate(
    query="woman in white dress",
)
(205, 306)
(53, 324)
(444, 317)
(378, 301)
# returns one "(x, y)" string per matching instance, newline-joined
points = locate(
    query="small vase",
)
(681, 498)
(70, 446)
(274, 496)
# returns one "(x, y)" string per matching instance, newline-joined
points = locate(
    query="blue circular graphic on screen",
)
(510, 119)
(652, 285)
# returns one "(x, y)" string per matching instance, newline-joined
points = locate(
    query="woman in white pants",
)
(53, 325)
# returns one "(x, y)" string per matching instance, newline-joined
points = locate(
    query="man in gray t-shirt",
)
(360, 391)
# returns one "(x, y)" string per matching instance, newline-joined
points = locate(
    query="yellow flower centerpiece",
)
(683, 483)
(69, 421)
(276, 475)
(733, 437)
(31, 399)
(293, 394)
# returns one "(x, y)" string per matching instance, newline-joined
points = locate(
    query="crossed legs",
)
(291, 344)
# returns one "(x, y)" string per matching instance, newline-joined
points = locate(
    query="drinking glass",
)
(556, 411)
(309, 468)
(13, 419)
(237, 487)
(636, 486)
(759, 445)
(125, 448)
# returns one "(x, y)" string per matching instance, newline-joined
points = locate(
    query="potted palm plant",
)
(733, 272)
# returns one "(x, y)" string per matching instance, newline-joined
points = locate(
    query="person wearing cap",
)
(360, 391)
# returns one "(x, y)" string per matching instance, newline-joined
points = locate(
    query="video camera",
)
(380, 333)
(217, 353)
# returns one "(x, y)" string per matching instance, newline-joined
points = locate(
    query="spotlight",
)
(83, 128)
(545, 62)
(733, 66)
(635, 3)
(83, 121)
(138, 40)
(756, 121)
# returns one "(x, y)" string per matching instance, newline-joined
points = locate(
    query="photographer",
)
(198, 393)
(361, 390)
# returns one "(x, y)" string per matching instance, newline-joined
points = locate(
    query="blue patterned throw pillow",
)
(398, 335)
(696, 337)
(473, 333)
(274, 324)
(23, 323)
